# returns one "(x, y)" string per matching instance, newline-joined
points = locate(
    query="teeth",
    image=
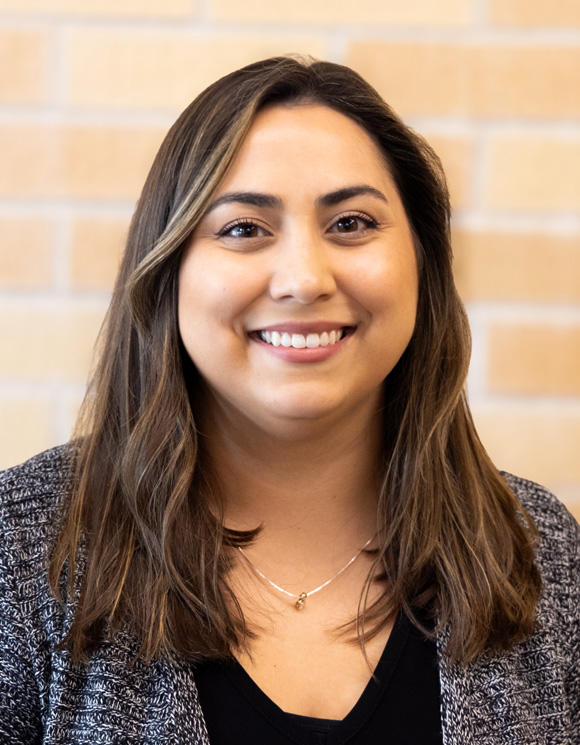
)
(312, 341)
(299, 341)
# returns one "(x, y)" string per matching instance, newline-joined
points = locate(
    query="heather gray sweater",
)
(530, 696)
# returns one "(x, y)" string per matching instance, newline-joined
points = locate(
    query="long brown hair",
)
(138, 536)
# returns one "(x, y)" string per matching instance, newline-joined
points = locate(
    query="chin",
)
(309, 411)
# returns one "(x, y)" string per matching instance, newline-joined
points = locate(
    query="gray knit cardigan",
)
(529, 696)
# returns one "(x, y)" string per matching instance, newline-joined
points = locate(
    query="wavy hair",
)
(138, 537)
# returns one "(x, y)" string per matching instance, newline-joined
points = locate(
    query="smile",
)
(301, 341)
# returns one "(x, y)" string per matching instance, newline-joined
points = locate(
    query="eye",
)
(242, 228)
(347, 225)
(356, 224)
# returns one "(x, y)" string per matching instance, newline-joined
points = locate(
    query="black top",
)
(400, 706)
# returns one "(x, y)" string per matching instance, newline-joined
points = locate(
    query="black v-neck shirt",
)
(399, 706)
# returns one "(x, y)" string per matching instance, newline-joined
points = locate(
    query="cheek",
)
(391, 301)
(194, 308)
(389, 285)
(203, 287)
(212, 300)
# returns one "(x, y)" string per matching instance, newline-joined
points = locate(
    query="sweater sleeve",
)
(20, 722)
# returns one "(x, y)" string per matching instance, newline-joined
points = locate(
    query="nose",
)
(302, 271)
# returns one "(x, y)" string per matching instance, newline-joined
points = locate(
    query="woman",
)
(276, 522)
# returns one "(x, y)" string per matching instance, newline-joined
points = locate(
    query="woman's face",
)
(298, 291)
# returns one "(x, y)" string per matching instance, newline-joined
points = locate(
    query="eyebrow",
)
(256, 199)
(341, 195)
(247, 197)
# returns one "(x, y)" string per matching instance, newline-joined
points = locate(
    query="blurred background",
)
(88, 89)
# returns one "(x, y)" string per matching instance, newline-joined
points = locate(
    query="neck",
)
(309, 487)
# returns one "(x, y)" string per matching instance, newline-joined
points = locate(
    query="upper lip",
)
(304, 327)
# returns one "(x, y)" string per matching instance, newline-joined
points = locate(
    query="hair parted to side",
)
(138, 536)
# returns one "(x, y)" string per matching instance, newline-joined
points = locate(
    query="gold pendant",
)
(301, 600)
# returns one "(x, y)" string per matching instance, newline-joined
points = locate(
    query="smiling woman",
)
(278, 423)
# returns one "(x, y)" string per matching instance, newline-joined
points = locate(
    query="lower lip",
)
(306, 354)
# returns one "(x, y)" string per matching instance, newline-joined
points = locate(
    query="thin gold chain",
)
(301, 598)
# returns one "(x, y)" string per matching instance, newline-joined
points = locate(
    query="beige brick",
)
(47, 343)
(569, 494)
(534, 359)
(391, 12)
(69, 412)
(533, 81)
(75, 161)
(416, 79)
(29, 156)
(517, 266)
(456, 155)
(538, 445)
(96, 248)
(574, 508)
(120, 8)
(24, 61)
(454, 79)
(107, 163)
(26, 252)
(162, 69)
(26, 429)
(535, 13)
(534, 173)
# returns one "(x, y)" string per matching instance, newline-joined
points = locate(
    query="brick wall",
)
(88, 88)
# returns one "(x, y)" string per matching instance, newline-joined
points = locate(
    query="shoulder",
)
(32, 499)
(557, 551)
(535, 685)
(34, 490)
(557, 527)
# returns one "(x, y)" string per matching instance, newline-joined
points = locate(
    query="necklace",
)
(302, 597)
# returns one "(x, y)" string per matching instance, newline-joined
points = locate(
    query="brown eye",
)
(354, 223)
(245, 230)
(347, 225)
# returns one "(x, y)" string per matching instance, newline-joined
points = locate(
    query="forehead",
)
(306, 145)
